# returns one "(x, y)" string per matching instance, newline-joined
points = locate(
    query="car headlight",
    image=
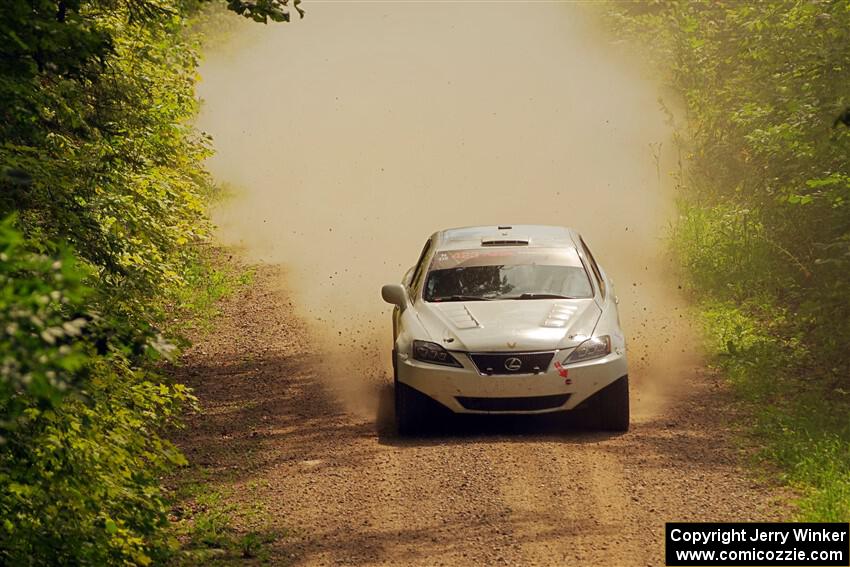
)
(595, 347)
(425, 351)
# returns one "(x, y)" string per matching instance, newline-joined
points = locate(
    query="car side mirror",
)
(395, 294)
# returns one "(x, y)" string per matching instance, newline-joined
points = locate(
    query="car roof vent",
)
(503, 242)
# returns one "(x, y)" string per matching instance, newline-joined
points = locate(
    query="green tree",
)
(103, 193)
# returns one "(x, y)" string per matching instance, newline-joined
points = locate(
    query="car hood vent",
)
(461, 316)
(560, 315)
(503, 242)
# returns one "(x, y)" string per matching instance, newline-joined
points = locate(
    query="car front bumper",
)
(466, 390)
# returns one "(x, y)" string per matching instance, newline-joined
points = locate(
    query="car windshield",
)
(522, 274)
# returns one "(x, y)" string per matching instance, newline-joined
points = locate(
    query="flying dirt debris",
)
(384, 144)
(341, 158)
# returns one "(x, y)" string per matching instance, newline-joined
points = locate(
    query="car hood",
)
(519, 325)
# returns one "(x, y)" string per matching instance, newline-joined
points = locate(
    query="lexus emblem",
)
(513, 364)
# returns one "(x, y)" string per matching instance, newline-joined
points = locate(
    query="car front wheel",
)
(412, 412)
(610, 408)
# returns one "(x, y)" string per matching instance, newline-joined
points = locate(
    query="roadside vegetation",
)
(763, 233)
(103, 208)
(214, 528)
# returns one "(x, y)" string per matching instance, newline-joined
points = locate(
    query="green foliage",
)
(112, 162)
(90, 490)
(265, 10)
(81, 455)
(102, 203)
(764, 228)
(41, 302)
(799, 429)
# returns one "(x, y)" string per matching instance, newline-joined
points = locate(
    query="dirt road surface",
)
(344, 490)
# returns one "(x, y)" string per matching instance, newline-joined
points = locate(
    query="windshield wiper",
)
(539, 296)
(460, 298)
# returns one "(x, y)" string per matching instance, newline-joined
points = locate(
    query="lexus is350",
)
(507, 320)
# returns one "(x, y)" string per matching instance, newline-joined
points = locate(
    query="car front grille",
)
(511, 363)
(513, 404)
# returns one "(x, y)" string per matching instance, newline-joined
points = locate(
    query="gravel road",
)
(346, 491)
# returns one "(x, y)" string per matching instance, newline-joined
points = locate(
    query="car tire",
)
(412, 412)
(610, 410)
(411, 409)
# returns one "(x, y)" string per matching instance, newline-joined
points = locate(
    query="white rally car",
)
(507, 319)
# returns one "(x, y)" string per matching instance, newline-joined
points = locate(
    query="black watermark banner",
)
(760, 544)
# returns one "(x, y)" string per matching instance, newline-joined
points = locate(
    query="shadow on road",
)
(260, 412)
(263, 412)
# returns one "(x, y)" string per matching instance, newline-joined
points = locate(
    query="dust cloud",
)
(352, 135)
